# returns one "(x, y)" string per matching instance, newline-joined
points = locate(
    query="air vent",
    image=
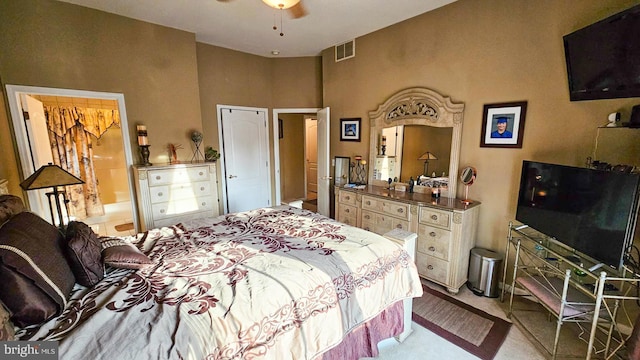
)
(345, 50)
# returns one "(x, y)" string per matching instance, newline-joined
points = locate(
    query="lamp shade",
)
(49, 176)
(427, 156)
(281, 4)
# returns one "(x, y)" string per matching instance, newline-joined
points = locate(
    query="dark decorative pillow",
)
(35, 279)
(120, 253)
(9, 206)
(84, 253)
(7, 332)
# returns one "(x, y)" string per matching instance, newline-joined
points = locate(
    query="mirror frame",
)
(418, 106)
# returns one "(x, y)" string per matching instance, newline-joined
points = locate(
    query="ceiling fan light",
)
(281, 4)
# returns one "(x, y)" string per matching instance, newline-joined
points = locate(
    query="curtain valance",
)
(94, 121)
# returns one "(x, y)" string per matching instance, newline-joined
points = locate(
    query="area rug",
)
(471, 329)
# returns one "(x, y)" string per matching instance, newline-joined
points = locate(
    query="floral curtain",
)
(71, 133)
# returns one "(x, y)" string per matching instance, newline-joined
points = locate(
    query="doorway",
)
(288, 190)
(114, 213)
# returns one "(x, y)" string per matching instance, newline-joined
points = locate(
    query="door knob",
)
(232, 176)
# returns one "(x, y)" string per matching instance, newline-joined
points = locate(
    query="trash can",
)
(484, 272)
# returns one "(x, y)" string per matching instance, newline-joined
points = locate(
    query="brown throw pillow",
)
(120, 253)
(84, 253)
(7, 332)
(9, 206)
(35, 279)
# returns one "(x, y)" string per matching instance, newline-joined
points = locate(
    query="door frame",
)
(22, 143)
(276, 144)
(223, 172)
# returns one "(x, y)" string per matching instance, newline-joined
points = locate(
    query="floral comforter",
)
(273, 283)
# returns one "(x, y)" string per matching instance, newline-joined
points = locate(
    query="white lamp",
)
(281, 4)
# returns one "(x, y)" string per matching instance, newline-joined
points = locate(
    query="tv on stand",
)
(594, 212)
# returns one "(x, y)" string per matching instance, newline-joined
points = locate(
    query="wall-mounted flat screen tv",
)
(591, 211)
(603, 59)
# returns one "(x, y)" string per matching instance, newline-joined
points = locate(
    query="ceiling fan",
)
(295, 8)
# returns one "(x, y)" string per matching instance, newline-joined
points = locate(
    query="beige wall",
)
(53, 44)
(162, 72)
(481, 52)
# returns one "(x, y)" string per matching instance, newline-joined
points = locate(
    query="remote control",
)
(596, 267)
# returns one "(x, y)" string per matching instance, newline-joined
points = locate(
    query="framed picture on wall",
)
(280, 129)
(350, 129)
(503, 125)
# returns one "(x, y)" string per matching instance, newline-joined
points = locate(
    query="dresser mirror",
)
(416, 133)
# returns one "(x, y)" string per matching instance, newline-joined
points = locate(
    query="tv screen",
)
(591, 211)
(603, 59)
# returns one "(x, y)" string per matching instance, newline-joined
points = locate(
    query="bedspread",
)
(272, 283)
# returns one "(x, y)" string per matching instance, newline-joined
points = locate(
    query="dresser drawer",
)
(382, 223)
(347, 211)
(435, 217)
(349, 220)
(433, 268)
(434, 241)
(388, 207)
(371, 203)
(164, 210)
(396, 209)
(180, 175)
(347, 197)
(165, 193)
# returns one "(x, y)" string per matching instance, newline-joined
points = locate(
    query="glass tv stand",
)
(571, 287)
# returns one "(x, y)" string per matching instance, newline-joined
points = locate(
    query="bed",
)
(272, 283)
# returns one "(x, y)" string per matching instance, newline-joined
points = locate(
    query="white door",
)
(323, 162)
(245, 152)
(40, 151)
(311, 154)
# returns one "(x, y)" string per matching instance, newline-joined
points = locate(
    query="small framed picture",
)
(503, 125)
(350, 129)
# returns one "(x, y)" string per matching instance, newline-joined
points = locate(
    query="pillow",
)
(35, 279)
(120, 253)
(83, 251)
(9, 206)
(7, 332)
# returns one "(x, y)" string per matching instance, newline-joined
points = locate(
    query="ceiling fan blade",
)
(297, 11)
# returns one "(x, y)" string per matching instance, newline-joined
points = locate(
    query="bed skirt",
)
(363, 340)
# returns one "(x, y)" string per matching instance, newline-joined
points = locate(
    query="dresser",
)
(446, 227)
(169, 194)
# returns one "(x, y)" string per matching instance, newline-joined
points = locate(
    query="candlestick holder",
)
(144, 153)
(383, 149)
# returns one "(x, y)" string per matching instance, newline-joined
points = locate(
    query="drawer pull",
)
(347, 198)
(399, 226)
(200, 173)
(162, 211)
(431, 248)
(347, 211)
(160, 194)
(432, 234)
(204, 203)
(368, 202)
(158, 177)
(201, 188)
(434, 217)
(367, 217)
(367, 228)
(430, 267)
(401, 210)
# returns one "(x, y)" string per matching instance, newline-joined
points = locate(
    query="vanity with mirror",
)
(415, 145)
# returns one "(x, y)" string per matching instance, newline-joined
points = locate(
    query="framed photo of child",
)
(503, 125)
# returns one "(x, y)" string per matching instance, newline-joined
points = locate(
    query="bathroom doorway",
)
(110, 210)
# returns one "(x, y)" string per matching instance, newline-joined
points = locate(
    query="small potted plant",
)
(211, 154)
